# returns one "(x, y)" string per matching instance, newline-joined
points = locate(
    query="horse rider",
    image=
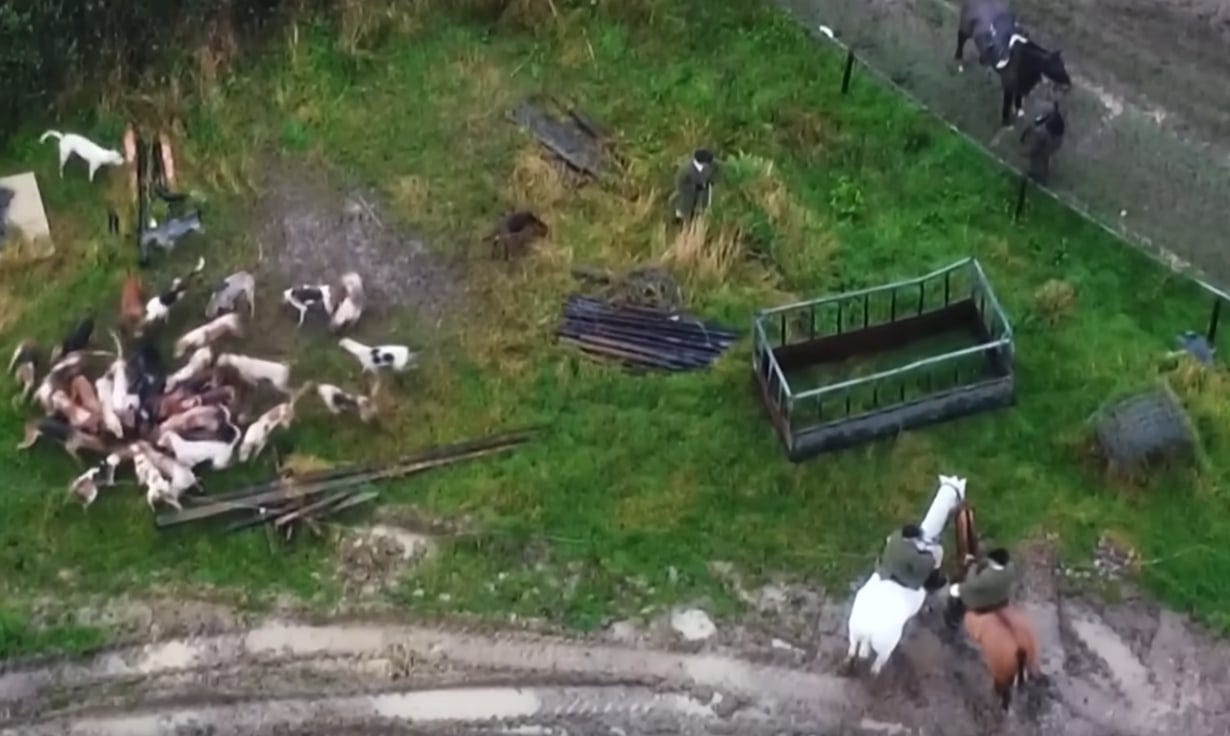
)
(909, 561)
(987, 588)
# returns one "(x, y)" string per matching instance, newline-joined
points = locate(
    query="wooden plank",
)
(438, 457)
(323, 503)
(354, 500)
(568, 140)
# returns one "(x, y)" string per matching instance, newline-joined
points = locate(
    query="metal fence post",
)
(845, 75)
(1020, 197)
(1214, 319)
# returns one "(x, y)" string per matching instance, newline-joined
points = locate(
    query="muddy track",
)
(1124, 669)
(343, 665)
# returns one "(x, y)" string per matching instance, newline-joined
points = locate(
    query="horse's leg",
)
(852, 652)
(962, 39)
(884, 646)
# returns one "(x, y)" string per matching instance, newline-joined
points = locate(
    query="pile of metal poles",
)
(640, 337)
(305, 499)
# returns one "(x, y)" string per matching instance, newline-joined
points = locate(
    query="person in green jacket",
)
(694, 186)
(988, 587)
(907, 561)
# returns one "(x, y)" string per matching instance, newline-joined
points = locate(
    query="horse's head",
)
(952, 488)
(1054, 69)
(966, 534)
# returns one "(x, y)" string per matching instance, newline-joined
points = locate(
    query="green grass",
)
(18, 637)
(638, 475)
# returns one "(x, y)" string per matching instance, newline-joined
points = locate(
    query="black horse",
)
(1027, 64)
(1003, 45)
(991, 25)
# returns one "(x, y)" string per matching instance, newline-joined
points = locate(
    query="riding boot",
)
(954, 612)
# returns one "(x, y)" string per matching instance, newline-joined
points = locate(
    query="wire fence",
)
(1119, 169)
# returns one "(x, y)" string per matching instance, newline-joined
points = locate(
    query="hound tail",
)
(119, 348)
(355, 348)
(51, 134)
(18, 353)
(303, 390)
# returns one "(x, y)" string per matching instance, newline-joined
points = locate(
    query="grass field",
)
(642, 482)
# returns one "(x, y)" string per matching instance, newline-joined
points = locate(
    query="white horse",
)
(883, 607)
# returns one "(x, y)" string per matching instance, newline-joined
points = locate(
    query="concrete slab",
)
(21, 205)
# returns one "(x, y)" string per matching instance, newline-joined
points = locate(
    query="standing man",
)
(694, 186)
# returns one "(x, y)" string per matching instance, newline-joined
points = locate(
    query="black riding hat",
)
(911, 531)
(703, 156)
(999, 556)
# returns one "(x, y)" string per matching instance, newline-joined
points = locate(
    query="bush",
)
(55, 47)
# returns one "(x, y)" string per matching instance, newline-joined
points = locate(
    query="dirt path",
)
(1127, 670)
(1146, 150)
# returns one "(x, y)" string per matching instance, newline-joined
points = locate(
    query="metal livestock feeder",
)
(947, 342)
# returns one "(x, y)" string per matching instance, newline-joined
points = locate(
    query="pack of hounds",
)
(208, 413)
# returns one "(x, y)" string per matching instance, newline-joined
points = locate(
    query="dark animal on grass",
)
(1042, 140)
(150, 373)
(73, 440)
(1026, 66)
(513, 236)
(991, 25)
(77, 339)
(168, 234)
(305, 296)
(157, 308)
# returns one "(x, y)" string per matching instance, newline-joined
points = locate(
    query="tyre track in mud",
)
(350, 673)
(506, 706)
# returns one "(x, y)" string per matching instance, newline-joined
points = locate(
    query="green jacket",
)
(693, 189)
(988, 586)
(905, 562)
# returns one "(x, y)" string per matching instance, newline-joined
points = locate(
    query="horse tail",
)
(1021, 659)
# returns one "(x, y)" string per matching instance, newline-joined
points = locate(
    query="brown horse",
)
(1004, 635)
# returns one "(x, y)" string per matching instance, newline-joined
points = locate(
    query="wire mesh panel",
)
(1143, 430)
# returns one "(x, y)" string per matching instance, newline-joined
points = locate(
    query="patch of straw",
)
(300, 463)
(536, 183)
(704, 255)
(1054, 301)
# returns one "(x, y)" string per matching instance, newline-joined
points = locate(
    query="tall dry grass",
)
(702, 255)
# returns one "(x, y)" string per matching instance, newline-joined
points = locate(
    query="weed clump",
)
(1054, 301)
